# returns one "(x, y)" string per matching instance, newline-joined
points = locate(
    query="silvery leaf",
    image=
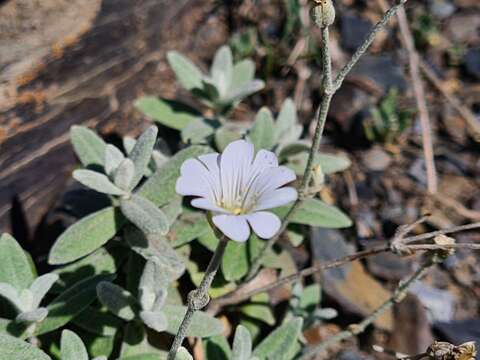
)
(128, 144)
(142, 153)
(11, 294)
(145, 215)
(34, 316)
(11, 345)
(72, 347)
(188, 75)
(97, 181)
(41, 286)
(238, 94)
(242, 344)
(222, 69)
(89, 147)
(287, 128)
(15, 265)
(154, 320)
(183, 354)
(152, 288)
(243, 72)
(118, 300)
(123, 175)
(113, 158)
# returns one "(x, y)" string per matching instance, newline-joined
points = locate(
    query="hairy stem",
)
(330, 87)
(198, 299)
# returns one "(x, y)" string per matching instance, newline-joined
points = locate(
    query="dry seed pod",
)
(466, 351)
(323, 12)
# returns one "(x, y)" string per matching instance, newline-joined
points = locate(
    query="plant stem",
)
(330, 87)
(359, 328)
(198, 299)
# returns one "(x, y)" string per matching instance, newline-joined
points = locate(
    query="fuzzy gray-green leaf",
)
(238, 94)
(118, 300)
(222, 69)
(13, 348)
(33, 316)
(315, 212)
(196, 131)
(85, 236)
(41, 286)
(183, 354)
(278, 345)
(160, 187)
(235, 261)
(202, 325)
(124, 174)
(242, 344)
(243, 72)
(72, 347)
(145, 215)
(172, 114)
(89, 147)
(15, 267)
(96, 181)
(70, 303)
(142, 153)
(113, 158)
(286, 128)
(188, 74)
(262, 132)
(154, 320)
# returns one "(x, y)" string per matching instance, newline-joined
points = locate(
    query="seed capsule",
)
(323, 12)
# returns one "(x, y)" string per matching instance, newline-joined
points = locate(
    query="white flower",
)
(238, 187)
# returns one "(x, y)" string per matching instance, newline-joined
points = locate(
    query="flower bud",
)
(323, 12)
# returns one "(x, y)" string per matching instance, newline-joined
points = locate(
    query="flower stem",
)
(330, 87)
(198, 299)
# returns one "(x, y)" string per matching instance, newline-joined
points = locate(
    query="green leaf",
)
(238, 94)
(197, 131)
(189, 226)
(86, 236)
(202, 325)
(160, 187)
(13, 348)
(89, 147)
(209, 240)
(286, 128)
(332, 163)
(15, 266)
(155, 320)
(118, 300)
(70, 303)
(98, 321)
(40, 288)
(72, 347)
(97, 181)
(145, 215)
(262, 133)
(183, 354)
(99, 262)
(242, 344)
(143, 357)
(222, 69)
(217, 348)
(310, 297)
(259, 309)
(225, 135)
(142, 153)
(278, 345)
(235, 261)
(155, 248)
(315, 212)
(243, 72)
(113, 158)
(188, 74)
(170, 113)
(124, 174)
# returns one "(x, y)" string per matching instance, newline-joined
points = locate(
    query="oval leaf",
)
(15, 266)
(202, 325)
(279, 344)
(89, 147)
(13, 348)
(96, 181)
(262, 133)
(85, 236)
(72, 347)
(242, 344)
(118, 300)
(187, 73)
(142, 153)
(145, 215)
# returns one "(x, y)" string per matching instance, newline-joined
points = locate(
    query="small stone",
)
(472, 62)
(376, 159)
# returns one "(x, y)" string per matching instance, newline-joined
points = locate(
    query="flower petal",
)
(235, 166)
(275, 198)
(272, 179)
(197, 180)
(206, 204)
(234, 227)
(264, 224)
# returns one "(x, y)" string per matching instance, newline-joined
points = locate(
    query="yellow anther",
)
(237, 211)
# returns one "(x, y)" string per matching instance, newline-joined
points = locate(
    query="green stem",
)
(198, 299)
